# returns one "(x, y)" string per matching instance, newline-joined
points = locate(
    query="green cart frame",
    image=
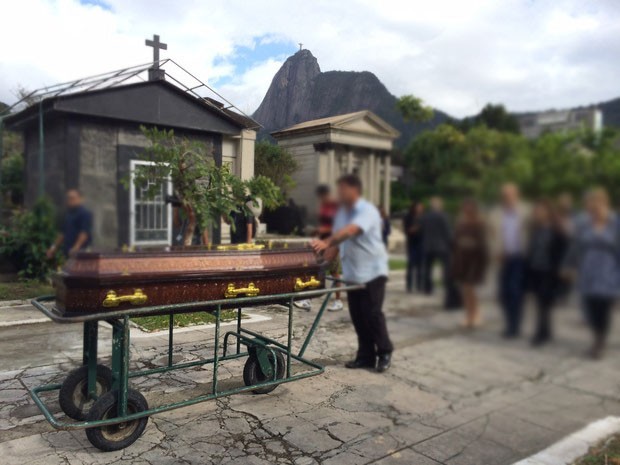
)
(118, 414)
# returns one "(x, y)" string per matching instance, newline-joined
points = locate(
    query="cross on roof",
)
(156, 44)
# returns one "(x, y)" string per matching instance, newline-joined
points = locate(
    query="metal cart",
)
(119, 414)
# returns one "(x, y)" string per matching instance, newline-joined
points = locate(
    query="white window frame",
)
(132, 208)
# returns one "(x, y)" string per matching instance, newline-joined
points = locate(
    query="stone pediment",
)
(361, 122)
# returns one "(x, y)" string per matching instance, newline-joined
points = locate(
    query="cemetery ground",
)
(451, 397)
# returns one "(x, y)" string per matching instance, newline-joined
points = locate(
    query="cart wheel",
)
(252, 373)
(116, 437)
(73, 396)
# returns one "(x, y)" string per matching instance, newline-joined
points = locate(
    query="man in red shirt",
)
(328, 207)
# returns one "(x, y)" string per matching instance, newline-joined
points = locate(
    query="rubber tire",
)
(100, 436)
(78, 379)
(252, 373)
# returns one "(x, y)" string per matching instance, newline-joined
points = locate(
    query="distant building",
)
(534, 124)
(327, 148)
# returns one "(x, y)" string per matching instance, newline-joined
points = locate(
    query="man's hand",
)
(51, 252)
(319, 246)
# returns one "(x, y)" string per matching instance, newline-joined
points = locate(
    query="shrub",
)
(25, 240)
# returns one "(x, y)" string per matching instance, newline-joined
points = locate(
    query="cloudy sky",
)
(455, 54)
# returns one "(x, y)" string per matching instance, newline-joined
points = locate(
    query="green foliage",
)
(207, 192)
(12, 169)
(275, 163)
(25, 239)
(453, 163)
(493, 117)
(413, 109)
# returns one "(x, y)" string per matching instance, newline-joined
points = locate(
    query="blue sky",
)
(244, 58)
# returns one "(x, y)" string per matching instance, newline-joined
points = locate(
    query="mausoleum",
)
(327, 148)
(86, 135)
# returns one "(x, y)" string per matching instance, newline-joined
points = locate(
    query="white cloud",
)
(455, 54)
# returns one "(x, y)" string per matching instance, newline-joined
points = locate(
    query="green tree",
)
(24, 240)
(12, 169)
(413, 109)
(275, 163)
(493, 117)
(206, 191)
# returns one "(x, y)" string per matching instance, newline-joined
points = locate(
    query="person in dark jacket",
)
(77, 227)
(413, 233)
(436, 247)
(545, 251)
(387, 226)
(470, 258)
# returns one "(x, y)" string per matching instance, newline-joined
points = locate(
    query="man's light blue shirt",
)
(363, 257)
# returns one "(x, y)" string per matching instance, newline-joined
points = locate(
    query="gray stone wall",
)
(98, 180)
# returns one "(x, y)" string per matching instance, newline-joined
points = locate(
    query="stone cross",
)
(156, 44)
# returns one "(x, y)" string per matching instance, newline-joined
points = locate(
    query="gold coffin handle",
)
(251, 246)
(312, 283)
(137, 298)
(250, 291)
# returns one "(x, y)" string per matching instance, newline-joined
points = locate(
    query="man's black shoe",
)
(384, 362)
(357, 363)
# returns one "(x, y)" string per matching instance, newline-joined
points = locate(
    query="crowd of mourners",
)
(548, 249)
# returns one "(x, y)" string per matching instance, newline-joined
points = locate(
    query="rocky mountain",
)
(300, 92)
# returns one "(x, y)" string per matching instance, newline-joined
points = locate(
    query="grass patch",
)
(397, 264)
(607, 453)
(182, 320)
(22, 290)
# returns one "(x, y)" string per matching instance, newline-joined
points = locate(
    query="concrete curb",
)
(569, 449)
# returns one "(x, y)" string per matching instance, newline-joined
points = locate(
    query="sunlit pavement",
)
(451, 396)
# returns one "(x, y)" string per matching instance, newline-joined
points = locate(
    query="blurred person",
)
(243, 229)
(469, 258)
(328, 207)
(357, 235)
(594, 255)
(546, 249)
(77, 226)
(436, 246)
(567, 219)
(413, 233)
(509, 228)
(387, 227)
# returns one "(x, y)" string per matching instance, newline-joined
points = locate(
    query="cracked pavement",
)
(451, 397)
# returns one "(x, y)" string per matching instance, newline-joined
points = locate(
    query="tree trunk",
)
(191, 225)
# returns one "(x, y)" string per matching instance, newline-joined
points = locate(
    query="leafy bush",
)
(277, 164)
(25, 240)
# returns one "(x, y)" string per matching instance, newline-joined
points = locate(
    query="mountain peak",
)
(301, 92)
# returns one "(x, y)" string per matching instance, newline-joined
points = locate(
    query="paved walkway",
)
(451, 397)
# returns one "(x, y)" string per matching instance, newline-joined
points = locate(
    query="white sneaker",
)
(335, 306)
(303, 304)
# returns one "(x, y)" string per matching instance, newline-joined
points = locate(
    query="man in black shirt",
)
(242, 228)
(77, 227)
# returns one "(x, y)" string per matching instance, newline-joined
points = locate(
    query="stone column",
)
(371, 189)
(331, 166)
(387, 181)
(350, 161)
(245, 154)
(378, 178)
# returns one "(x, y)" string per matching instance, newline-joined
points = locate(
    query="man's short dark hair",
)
(351, 180)
(322, 190)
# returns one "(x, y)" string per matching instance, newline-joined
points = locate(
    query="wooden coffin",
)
(105, 281)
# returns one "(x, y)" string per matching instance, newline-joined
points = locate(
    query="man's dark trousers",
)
(365, 306)
(511, 292)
